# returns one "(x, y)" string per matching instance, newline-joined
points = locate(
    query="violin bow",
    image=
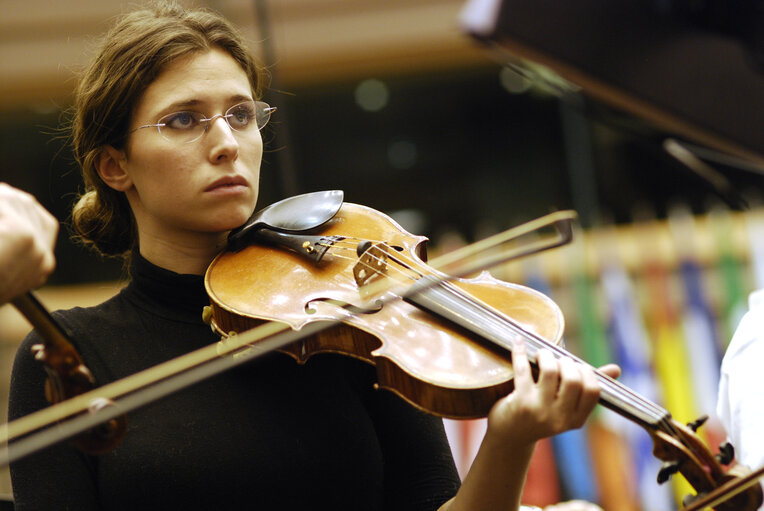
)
(113, 400)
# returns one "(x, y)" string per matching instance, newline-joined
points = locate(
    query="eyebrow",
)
(174, 107)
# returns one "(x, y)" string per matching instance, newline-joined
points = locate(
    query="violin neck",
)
(38, 316)
(449, 302)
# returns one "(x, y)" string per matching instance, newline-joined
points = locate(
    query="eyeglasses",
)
(187, 126)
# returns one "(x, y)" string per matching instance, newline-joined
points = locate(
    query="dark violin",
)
(445, 348)
(67, 375)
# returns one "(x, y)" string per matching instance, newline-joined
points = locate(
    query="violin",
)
(445, 347)
(438, 368)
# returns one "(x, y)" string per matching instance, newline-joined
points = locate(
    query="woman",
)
(167, 134)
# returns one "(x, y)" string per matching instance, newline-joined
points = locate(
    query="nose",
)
(223, 143)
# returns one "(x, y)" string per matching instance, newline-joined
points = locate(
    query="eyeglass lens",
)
(187, 126)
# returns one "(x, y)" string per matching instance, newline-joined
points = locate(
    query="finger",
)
(549, 374)
(47, 266)
(571, 386)
(521, 366)
(47, 241)
(25, 205)
(611, 370)
(47, 224)
(44, 230)
(590, 393)
(583, 390)
(44, 222)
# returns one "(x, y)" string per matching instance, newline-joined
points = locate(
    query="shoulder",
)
(97, 316)
(83, 326)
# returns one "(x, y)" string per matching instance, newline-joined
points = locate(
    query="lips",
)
(226, 182)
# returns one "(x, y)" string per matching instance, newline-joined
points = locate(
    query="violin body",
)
(435, 365)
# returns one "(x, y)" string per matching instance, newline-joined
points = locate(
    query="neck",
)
(189, 256)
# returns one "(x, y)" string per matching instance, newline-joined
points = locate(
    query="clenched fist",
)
(27, 237)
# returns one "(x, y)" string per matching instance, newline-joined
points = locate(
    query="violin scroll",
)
(683, 452)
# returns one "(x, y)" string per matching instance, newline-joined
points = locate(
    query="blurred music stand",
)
(694, 82)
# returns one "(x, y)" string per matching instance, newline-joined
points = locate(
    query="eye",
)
(182, 120)
(241, 116)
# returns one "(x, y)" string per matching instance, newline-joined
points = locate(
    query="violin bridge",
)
(371, 265)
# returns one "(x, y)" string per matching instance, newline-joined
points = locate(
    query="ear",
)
(111, 165)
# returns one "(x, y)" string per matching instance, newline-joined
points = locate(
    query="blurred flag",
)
(611, 456)
(698, 320)
(632, 346)
(703, 348)
(542, 485)
(670, 356)
(735, 290)
(571, 449)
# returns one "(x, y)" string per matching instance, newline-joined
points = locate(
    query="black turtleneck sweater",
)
(271, 434)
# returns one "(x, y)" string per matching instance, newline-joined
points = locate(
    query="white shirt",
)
(740, 404)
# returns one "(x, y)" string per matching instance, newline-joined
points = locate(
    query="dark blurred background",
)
(393, 103)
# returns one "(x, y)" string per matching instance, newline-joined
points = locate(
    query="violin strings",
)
(608, 384)
(391, 255)
(615, 387)
(662, 418)
(657, 416)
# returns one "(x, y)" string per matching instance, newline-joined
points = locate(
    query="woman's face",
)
(206, 186)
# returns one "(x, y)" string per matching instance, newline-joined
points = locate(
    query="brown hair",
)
(132, 54)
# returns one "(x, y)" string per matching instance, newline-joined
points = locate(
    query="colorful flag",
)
(670, 354)
(542, 485)
(703, 349)
(735, 291)
(611, 456)
(571, 449)
(634, 353)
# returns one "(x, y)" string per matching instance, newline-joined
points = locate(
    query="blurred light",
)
(372, 95)
(402, 154)
(513, 81)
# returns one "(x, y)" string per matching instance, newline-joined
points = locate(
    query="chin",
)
(224, 227)
(232, 218)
